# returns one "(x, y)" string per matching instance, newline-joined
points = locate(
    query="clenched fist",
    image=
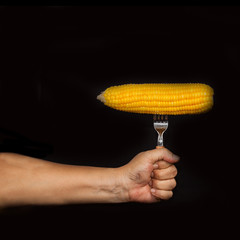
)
(150, 176)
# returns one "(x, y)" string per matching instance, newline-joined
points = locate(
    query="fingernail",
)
(176, 157)
(152, 174)
(155, 165)
(150, 183)
(153, 190)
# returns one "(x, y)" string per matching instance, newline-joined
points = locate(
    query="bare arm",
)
(26, 180)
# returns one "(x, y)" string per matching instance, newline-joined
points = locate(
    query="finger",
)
(168, 184)
(161, 154)
(162, 194)
(163, 164)
(166, 173)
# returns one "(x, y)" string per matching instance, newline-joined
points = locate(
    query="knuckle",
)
(166, 195)
(170, 194)
(147, 153)
(174, 171)
(173, 183)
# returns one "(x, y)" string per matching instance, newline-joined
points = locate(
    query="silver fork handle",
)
(160, 140)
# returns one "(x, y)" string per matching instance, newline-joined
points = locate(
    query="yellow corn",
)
(159, 98)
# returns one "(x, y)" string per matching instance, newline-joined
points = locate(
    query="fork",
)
(160, 123)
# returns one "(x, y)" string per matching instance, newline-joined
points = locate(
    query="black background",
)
(56, 60)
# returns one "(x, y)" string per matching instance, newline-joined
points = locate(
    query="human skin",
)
(148, 177)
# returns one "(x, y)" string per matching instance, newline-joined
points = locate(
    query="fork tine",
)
(155, 117)
(160, 118)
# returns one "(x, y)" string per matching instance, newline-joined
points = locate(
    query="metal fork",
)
(160, 123)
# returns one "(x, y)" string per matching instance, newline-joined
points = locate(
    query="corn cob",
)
(156, 98)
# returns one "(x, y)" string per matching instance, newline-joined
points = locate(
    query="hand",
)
(149, 176)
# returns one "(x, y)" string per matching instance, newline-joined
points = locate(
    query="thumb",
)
(162, 154)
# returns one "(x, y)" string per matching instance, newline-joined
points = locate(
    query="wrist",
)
(107, 185)
(119, 188)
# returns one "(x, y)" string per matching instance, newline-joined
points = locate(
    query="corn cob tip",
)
(101, 97)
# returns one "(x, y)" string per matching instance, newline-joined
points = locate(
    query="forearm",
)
(25, 180)
(91, 185)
